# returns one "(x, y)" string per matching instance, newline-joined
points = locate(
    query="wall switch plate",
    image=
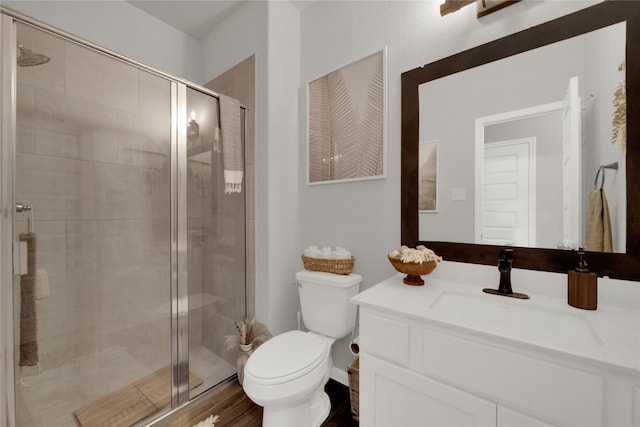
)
(458, 193)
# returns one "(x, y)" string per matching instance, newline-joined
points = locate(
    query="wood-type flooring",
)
(235, 409)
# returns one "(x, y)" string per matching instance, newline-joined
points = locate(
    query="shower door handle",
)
(21, 207)
(20, 262)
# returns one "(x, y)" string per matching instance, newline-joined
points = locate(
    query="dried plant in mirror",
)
(619, 122)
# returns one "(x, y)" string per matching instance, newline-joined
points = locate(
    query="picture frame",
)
(346, 119)
(428, 176)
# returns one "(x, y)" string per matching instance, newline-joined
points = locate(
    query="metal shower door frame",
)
(7, 166)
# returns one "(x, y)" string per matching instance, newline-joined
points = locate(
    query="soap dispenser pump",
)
(582, 291)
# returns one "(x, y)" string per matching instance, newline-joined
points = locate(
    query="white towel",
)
(209, 422)
(341, 253)
(312, 252)
(231, 144)
(325, 253)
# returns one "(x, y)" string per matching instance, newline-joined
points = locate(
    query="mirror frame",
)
(614, 265)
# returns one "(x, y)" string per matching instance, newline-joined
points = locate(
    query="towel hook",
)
(601, 169)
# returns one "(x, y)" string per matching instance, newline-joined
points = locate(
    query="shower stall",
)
(123, 239)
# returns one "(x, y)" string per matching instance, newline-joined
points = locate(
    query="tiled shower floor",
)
(51, 400)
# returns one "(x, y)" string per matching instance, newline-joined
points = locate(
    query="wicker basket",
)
(336, 266)
(353, 370)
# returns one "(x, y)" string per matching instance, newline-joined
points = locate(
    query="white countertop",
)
(609, 335)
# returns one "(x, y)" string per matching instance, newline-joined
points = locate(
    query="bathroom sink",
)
(537, 323)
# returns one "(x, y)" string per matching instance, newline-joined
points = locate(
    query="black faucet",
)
(505, 261)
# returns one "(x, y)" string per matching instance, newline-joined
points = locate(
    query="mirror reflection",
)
(529, 153)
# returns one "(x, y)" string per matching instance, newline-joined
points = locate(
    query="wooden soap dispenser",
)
(582, 291)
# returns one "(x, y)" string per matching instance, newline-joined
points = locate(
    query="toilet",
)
(287, 374)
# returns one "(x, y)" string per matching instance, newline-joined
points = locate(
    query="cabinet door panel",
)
(515, 379)
(510, 418)
(386, 338)
(407, 399)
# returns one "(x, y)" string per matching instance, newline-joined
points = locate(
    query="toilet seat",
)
(287, 357)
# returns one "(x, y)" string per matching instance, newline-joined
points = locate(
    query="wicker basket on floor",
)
(336, 266)
(354, 387)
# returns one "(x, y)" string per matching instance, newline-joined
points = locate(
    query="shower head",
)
(28, 58)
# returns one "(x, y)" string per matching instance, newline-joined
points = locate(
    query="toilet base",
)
(320, 409)
(308, 413)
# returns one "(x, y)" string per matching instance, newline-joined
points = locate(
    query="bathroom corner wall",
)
(239, 37)
(269, 30)
(283, 172)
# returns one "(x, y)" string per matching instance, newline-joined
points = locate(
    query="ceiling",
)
(196, 18)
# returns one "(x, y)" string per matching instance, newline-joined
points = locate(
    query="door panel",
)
(571, 161)
(507, 214)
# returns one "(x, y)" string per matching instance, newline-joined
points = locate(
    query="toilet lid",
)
(291, 354)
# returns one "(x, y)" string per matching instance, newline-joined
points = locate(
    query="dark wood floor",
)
(235, 409)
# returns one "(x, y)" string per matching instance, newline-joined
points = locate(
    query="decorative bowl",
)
(413, 270)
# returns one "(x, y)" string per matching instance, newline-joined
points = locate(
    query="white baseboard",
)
(339, 375)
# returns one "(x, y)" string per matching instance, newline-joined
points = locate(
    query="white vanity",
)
(446, 354)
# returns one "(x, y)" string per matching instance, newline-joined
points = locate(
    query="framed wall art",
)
(347, 123)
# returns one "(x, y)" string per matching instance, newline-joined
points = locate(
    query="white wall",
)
(282, 165)
(601, 52)
(122, 28)
(365, 216)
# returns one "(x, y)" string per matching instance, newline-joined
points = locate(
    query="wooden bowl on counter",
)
(413, 270)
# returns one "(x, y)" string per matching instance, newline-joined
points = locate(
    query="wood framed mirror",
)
(622, 265)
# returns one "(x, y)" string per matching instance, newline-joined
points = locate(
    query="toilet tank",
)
(324, 301)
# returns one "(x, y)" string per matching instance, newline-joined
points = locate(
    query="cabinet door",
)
(510, 418)
(394, 396)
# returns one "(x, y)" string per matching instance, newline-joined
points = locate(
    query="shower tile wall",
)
(93, 160)
(230, 265)
(224, 271)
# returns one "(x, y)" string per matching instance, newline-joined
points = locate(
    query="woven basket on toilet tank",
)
(336, 266)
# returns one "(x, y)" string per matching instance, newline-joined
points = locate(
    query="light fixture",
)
(483, 7)
(193, 130)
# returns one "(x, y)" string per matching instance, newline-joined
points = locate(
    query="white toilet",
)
(287, 374)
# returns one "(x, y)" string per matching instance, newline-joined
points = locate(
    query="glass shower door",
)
(93, 313)
(215, 243)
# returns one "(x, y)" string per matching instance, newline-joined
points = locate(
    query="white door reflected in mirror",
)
(507, 199)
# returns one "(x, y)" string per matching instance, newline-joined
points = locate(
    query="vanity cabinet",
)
(423, 371)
